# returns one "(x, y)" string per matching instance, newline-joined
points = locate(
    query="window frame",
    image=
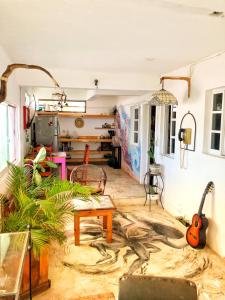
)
(221, 151)
(16, 127)
(134, 121)
(168, 130)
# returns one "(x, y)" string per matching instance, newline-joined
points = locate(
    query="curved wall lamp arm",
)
(188, 79)
(11, 68)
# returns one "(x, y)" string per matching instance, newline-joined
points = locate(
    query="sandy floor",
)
(85, 276)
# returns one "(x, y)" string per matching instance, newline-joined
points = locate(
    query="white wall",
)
(13, 97)
(184, 187)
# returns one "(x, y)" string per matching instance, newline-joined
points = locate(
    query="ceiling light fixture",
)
(164, 97)
(62, 98)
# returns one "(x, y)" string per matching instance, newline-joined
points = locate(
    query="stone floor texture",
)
(84, 270)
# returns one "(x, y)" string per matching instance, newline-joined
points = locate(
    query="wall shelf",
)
(100, 159)
(47, 113)
(83, 140)
(91, 152)
(75, 115)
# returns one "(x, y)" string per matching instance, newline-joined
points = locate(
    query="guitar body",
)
(196, 233)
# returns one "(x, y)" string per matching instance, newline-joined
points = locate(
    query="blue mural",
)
(131, 153)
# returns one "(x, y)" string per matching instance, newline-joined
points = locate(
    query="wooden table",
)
(103, 206)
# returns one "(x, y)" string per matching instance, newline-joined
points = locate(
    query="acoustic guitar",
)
(196, 233)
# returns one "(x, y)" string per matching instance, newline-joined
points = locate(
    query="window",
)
(216, 139)
(8, 136)
(68, 106)
(170, 129)
(135, 125)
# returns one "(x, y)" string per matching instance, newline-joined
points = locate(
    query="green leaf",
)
(39, 167)
(37, 177)
(41, 155)
(51, 164)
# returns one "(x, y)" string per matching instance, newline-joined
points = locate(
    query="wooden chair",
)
(90, 175)
(85, 161)
(86, 154)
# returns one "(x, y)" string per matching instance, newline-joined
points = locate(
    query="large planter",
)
(39, 271)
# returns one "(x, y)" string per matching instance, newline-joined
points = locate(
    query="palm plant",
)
(46, 206)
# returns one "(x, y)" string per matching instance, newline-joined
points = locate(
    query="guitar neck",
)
(208, 189)
(201, 205)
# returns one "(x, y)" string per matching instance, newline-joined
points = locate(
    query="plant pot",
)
(39, 271)
(155, 169)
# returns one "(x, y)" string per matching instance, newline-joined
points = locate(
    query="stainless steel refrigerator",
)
(46, 131)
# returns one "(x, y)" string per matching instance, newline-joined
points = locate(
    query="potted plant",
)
(46, 206)
(154, 167)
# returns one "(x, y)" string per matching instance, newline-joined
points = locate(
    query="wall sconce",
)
(164, 97)
(11, 68)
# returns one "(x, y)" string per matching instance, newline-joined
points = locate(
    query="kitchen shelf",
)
(83, 140)
(91, 152)
(75, 115)
(47, 113)
(100, 159)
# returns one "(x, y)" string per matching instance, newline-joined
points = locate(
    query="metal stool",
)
(149, 186)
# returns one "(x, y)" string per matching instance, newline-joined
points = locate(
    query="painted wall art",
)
(131, 153)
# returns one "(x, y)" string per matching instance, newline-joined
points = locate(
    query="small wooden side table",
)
(94, 207)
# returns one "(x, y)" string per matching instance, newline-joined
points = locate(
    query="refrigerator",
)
(46, 131)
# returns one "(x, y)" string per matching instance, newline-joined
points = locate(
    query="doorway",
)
(148, 128)
(152, 125)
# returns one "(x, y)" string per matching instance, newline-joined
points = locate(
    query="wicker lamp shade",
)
(163, 97)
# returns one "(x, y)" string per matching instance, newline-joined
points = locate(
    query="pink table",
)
(62, 161)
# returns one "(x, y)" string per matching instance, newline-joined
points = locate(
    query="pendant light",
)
(163, 97)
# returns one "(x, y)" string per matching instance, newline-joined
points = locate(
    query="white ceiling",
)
(139, 36)
(80, 94)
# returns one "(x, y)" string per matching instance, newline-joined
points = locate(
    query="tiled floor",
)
(121, 186)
